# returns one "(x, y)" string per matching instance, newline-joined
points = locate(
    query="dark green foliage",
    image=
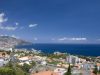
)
(19, 71)
(10, 65)
(7, 71)
(8, 52)
(95, 70)
(26, 67)
(33, 63)
(68, 71)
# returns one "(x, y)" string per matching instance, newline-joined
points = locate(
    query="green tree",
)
(7, 71)
(33, 63)
(26, 67)
(68, 71)
(10, 65)
(95, 70)
(8, 52)
(19, 71)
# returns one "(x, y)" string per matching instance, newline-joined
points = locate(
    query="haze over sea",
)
(77, 49)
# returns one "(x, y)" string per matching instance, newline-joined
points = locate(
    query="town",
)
(35, 62)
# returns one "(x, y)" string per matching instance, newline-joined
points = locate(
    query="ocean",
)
(76, 49)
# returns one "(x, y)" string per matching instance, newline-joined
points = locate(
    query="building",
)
(1, 62)
(72, 59)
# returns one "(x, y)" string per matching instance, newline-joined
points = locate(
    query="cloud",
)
(35, 39)
(8, 28)
(16, 23)
(2, 19)
(33, 25)
(14, 36)
(4, 35)
(72, 39)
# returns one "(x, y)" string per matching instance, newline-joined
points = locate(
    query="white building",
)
(1, 62)
(72, 59)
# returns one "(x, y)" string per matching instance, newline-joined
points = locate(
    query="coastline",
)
(75, 49)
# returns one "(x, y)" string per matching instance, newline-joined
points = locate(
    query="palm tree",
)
(95, 70)
(68, 71)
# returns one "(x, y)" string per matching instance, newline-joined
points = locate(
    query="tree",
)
(7, 71)
(19, 71)
(68, 71)
(10, 65)
(95, 70)
(26, 67)
(3, 54)
(8, 52)
(33, 63)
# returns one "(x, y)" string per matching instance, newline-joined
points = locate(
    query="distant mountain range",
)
(8, 41)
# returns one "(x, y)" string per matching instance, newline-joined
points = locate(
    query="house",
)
(72, 59)
(25, 59)
(1, 62)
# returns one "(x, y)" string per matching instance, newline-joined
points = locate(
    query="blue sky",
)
(51, 21)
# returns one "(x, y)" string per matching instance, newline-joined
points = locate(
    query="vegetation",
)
(54, 62)
(10, 65)
(33, 63)
(26, 67)
(7, 71)
(68, 71)
(57, 56)
(18, 70)
(3, 54)
(88, 58)
(8, 52)
(96, 71)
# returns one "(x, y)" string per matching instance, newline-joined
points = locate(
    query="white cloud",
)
(79, 39)
(35, 39)
(16, 23)
(62, 39)
(72, 39)
(33, 25)
(2, 19)
(4, 35)
(8, 28)
(14, 36)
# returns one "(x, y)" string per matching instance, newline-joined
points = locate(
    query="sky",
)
(51, 21)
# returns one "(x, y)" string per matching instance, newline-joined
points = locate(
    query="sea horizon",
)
(76, 49)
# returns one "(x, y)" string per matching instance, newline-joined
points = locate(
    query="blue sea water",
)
(77, 49)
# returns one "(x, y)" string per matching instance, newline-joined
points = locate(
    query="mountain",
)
(8, 41)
